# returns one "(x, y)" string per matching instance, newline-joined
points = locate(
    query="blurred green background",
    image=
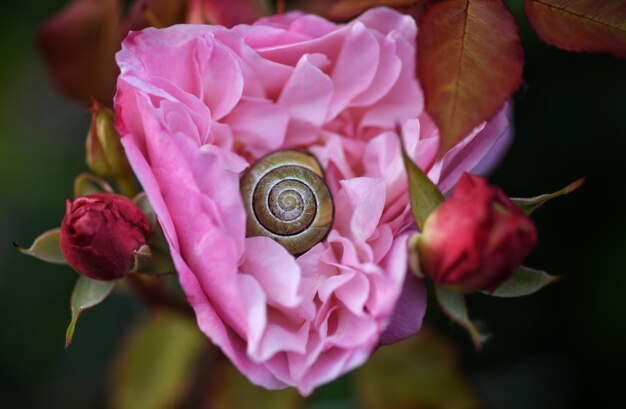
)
(562, 348)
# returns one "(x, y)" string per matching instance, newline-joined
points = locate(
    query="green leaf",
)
(453, 305)
(524, 281)
(87, 293)
(156, 365)
(46, 247)
(87, 184)
(529, 205)
(233, 391)
(425, 196)
(420, 372)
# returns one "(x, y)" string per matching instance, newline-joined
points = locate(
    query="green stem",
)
(150, 290)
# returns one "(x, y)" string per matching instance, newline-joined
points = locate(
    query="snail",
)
(287, 200)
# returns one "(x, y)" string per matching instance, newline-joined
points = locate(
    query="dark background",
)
(561, 348)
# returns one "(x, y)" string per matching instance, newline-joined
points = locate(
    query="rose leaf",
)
(580, 25)
(469, 60)
(79, 45)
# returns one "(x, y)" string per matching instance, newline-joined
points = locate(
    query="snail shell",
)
(286, 199)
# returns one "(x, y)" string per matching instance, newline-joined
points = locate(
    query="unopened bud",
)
(475, 239)
(103, 234)
(105, 153)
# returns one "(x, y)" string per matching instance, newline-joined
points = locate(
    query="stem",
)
(280, 7)
(151, 291)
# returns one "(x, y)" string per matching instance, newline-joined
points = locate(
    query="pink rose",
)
(99, 234)
(197, 105)
(475, 239)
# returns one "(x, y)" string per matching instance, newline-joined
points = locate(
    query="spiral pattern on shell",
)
(286, 199)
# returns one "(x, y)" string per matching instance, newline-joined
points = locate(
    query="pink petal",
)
(354, 68)
(366, 198)
(385, 21)
(306, 96)
(222, 79)
(275, 269)
(259, 124)
(409, 312)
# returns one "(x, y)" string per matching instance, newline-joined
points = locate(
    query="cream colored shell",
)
(286, 199)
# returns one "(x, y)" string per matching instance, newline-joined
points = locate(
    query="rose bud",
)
(100, 234)
(475, 239)
(105, 153)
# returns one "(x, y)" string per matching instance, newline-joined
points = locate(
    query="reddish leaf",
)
(225, 12)
(156, 13)
(319, 7)
(345, 9)
(78, 46)
(580, 25)
(470, 61)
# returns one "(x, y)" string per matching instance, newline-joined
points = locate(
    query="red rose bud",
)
(105, 153)
(100, 233)
(475, 239)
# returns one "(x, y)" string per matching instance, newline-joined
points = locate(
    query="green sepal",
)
(87, 184)
(87, 293)
(161, 262)
(425, 196)
(529, 205)
(141, 201)
(414, 256)
(453, 305)
(524, 281)
(142, 257)
(46, 247)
